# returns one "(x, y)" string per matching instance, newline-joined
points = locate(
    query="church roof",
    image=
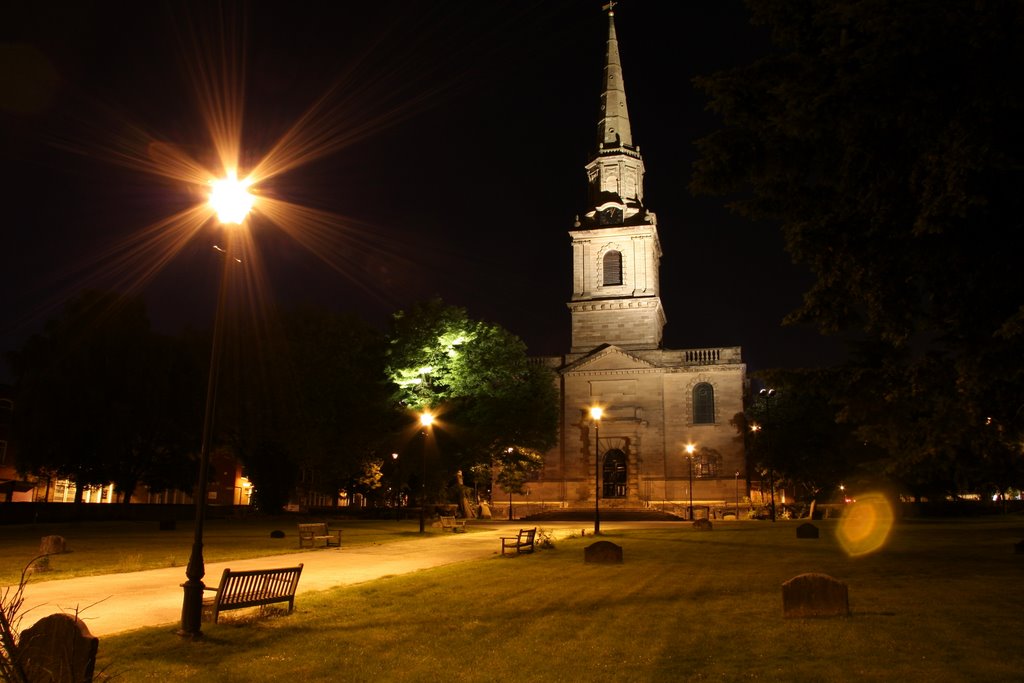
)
(608, 357)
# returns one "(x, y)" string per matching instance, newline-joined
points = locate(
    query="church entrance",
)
(614, 474)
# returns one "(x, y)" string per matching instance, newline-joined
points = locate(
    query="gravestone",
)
(702, 525)
(807, 530)
(815, 595)
(603, 552)
(58, 649)
(52, 545)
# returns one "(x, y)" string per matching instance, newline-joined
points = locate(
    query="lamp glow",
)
(231, 199)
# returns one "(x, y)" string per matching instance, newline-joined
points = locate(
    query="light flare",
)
(231, 199)
(865, 525)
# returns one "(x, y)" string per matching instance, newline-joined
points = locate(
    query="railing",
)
(714, 356)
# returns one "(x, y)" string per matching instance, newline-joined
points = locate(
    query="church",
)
(640, 425)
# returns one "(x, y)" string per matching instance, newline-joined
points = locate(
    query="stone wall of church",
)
(648, 416)
(627, 323)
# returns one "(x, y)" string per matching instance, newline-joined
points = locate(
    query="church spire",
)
(616, 252)
(613, 128)
(615, 174)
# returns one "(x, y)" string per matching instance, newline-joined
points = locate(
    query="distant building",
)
(228, 484)
(655, 401)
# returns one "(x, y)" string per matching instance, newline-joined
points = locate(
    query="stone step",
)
(616, 514)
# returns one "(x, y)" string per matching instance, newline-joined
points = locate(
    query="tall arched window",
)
(612, 268)
(703, 404)
(614, 474)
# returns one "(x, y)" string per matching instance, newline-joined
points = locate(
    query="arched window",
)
(703, 404)
(612, 268)
(614, 474)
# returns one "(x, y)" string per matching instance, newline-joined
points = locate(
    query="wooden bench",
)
(523, 542)
(451, 524)
(317, 532)
(252, 588)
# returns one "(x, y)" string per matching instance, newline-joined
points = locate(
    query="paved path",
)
(114, 603)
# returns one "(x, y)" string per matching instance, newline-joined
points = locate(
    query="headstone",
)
(807, 530)
(52, 545)
(702, 524)
(39, 566)
(815, 595)
(603, 552)
(58, 648)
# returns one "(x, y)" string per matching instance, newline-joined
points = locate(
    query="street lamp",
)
(508, 464)
(767, 394)
(231, 200)
(690, 448)
(737, 494)
(596, 412)
(426, 419)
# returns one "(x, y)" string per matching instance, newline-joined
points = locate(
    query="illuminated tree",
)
(489, 394)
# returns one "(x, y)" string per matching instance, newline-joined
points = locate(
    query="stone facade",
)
(655, 401)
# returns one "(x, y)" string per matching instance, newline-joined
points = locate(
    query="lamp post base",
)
(192, 609)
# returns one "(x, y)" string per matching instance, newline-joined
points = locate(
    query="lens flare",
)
(231, 199)
(865, 525)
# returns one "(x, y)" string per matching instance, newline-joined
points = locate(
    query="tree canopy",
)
(884, 139)
(488, 394)
(101, 398)
(306, 403)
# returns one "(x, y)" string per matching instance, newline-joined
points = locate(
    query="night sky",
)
(460, 131)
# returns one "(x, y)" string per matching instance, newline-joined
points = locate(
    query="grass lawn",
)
(113, 547)
(941, 602)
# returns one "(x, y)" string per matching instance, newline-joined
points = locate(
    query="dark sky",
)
(468, 195)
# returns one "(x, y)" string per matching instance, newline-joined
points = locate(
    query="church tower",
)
(616, 253)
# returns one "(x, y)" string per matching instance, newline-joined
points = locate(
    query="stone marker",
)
(58, 649)
(702, 525)
(52, 545)
(807, 530)
(603, 552)
(815, 595)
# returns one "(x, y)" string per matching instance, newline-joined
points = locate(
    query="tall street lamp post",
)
(767, 395)
(737, 494)
(690, 448)
(426, 419)
(231, 199)
(596, 412)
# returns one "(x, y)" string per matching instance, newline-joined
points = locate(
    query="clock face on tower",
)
(610, 216)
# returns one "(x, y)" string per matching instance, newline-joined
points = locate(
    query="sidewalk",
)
(114, 603)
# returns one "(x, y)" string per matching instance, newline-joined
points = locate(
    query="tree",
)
(478, 375)
(884, 139)
(101, 398)
(799, 436)
(318, 413)
(514, 467)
